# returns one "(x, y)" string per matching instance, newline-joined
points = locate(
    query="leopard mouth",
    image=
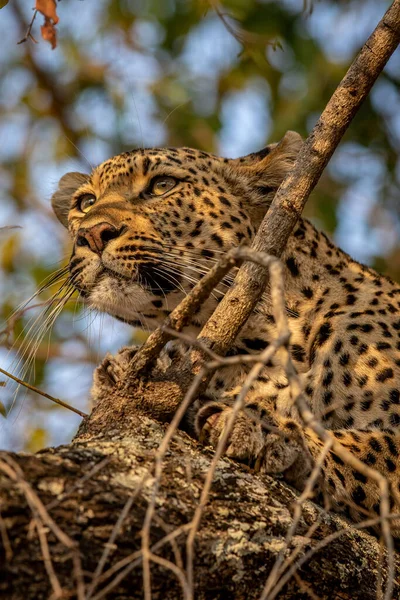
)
(148, 275)
(158, 282)
(131, 297)
(152, 276)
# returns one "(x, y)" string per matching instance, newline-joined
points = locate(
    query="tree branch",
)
(243, 526)
(235, 308)
(221, 330)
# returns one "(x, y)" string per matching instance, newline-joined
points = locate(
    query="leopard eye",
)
(161, 185)
(85, 202)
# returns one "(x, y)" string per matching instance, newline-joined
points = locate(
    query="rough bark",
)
(242, 531)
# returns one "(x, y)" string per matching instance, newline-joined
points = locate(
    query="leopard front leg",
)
(110, 371)
(268, 442)
(114, 369)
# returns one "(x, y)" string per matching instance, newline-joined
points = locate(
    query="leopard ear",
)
(61, 199)
(263, 172)
(274, 161)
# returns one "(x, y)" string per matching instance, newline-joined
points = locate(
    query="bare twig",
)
(5, 539)
(41, 516)
(303, 585)
(174, 545)
(132, 561)
(8, 227)
(247, 39)
(297, 515)
(176, 570)
(325, 542)
(114, 534)
(238, 303)
(181, 315)
(44, 394)
(278, 304)
(48, 563)
(84, 479)
(28, 35)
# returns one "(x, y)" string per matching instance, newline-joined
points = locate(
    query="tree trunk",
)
(86, 484)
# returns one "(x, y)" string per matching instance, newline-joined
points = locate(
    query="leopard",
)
(147, 224)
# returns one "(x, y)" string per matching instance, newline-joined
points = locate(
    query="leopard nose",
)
(97, 237)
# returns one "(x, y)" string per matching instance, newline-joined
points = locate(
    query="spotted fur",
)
(136, 254)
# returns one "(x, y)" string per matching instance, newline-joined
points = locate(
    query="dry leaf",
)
(48, 10)
(49, 33)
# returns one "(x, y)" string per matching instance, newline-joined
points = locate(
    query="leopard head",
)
(147, 224)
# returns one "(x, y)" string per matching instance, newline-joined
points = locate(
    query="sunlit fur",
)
(343, 316)
(167, 242)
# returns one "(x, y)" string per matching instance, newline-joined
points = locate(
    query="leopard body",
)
(137, 253)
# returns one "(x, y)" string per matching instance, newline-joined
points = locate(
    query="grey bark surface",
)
(242, 530)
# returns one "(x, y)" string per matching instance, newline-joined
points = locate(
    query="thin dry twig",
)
(8, 227)
(28, 35)
(48, 563)
(310, 421)
(167, 564)
(132, 561)
(311, 481)
(41, 516)
(181, 315)
(278, 302)
(325, 542)
(160, 454)
(44, 394)
(247, 39)
(110, 545)
(5, 539)
(100, 465)
(174, 545)
(306, 587)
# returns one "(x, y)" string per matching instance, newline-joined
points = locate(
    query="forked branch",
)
(235, 308)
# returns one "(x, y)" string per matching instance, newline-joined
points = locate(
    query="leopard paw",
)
(111, 370)
(271, 444)
(245, 439)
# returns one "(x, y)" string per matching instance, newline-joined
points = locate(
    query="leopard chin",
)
(119, 298)
(138, 304)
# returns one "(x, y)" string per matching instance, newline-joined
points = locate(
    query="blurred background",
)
(131, 73)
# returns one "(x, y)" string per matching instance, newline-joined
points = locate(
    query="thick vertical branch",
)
(235, 308)
(233, 311)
